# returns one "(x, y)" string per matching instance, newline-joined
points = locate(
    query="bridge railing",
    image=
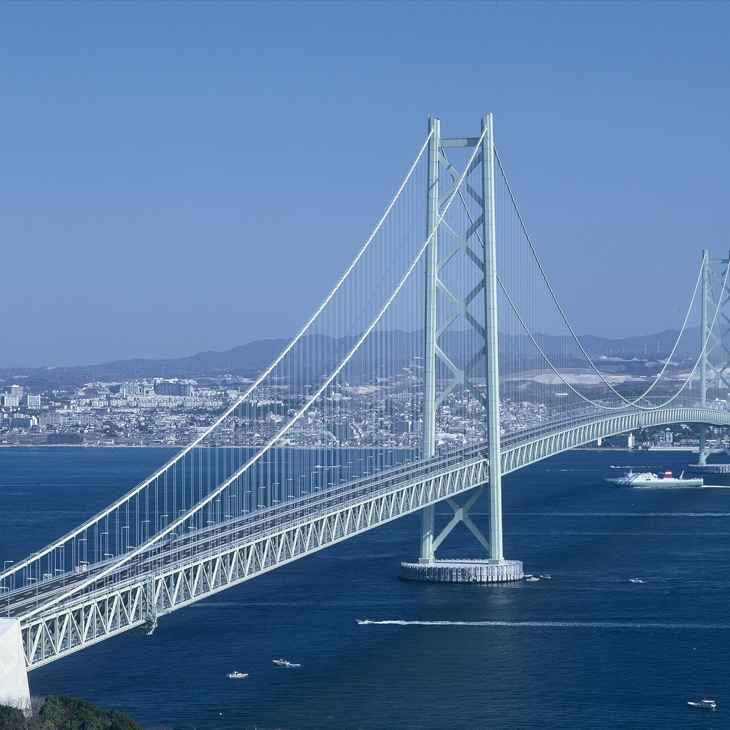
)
(67, 561)
(579, 414)
(237, 465)
(302, 506)
(207, 540)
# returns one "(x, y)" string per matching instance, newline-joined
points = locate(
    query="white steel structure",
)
(388, 401)
(715, 359)
(191, 568)
(477, 240)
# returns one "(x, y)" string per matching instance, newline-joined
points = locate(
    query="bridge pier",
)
(13, 675)
(463, 571)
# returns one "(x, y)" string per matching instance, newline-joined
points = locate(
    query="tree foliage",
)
(67, 713)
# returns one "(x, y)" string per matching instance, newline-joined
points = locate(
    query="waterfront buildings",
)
(173, 412)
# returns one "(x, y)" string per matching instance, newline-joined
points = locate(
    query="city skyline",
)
(185, 178)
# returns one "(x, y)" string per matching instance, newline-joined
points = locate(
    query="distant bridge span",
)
(549, 440)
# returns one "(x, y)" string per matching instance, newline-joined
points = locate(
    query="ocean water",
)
(586, 648)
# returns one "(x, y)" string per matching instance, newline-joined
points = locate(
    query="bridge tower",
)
(478, 242)
(715, 341)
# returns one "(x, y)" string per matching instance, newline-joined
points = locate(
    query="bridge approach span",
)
(195, 566)
(553, 439)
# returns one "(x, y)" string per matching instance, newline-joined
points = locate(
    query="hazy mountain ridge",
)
(656, 345)
(250, 359)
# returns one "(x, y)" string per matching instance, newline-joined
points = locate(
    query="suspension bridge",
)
(440, 361)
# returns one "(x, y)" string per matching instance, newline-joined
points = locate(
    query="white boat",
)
(285, 663)
(635, 580)
(236, 675)
(704, 704)
(649, 479)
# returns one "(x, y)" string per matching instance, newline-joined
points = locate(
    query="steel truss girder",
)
(189, 581)
(88, 621)
(521, 455)
(90, 618)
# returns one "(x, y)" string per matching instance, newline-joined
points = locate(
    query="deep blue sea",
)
(586, 648)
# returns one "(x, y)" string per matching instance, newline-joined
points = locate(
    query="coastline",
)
(93, 446)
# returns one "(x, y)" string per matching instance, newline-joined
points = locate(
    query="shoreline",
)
(92, 446)
(607, 449)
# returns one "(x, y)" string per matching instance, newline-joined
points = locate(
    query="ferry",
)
(704, 704)
(649, 479)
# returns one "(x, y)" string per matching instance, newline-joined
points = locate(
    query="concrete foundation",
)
(463, 571)
(708, 468)
(13, 676)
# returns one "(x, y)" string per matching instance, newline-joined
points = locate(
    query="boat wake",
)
(621, 514)
(548, 624)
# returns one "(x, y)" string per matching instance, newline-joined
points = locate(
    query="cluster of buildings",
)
(173, 412)
(136, 413)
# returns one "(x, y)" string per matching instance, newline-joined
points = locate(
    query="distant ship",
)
(704, 704)
(285, 663)
(648, 479)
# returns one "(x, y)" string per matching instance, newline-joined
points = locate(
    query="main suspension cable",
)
(257, 382)
(157, 538)
(567, 323)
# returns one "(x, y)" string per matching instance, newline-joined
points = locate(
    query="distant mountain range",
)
(249, 360)
(656, 346)
(242, 360)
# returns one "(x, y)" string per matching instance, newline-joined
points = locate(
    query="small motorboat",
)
(635, 580)
(286, 664)
(704, 704)
(237, 675)
(530, 577)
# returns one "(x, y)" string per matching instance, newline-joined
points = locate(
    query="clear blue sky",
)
(178, 177)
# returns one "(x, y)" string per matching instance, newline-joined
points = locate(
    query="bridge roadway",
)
(58, 618)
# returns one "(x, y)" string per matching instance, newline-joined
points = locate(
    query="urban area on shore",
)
(173, 412)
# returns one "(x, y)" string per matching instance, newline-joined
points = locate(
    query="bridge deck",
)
(73, 610)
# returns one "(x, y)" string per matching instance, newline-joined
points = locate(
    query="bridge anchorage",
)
(475, 188)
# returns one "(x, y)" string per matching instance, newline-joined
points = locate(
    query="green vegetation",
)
(67, 713)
